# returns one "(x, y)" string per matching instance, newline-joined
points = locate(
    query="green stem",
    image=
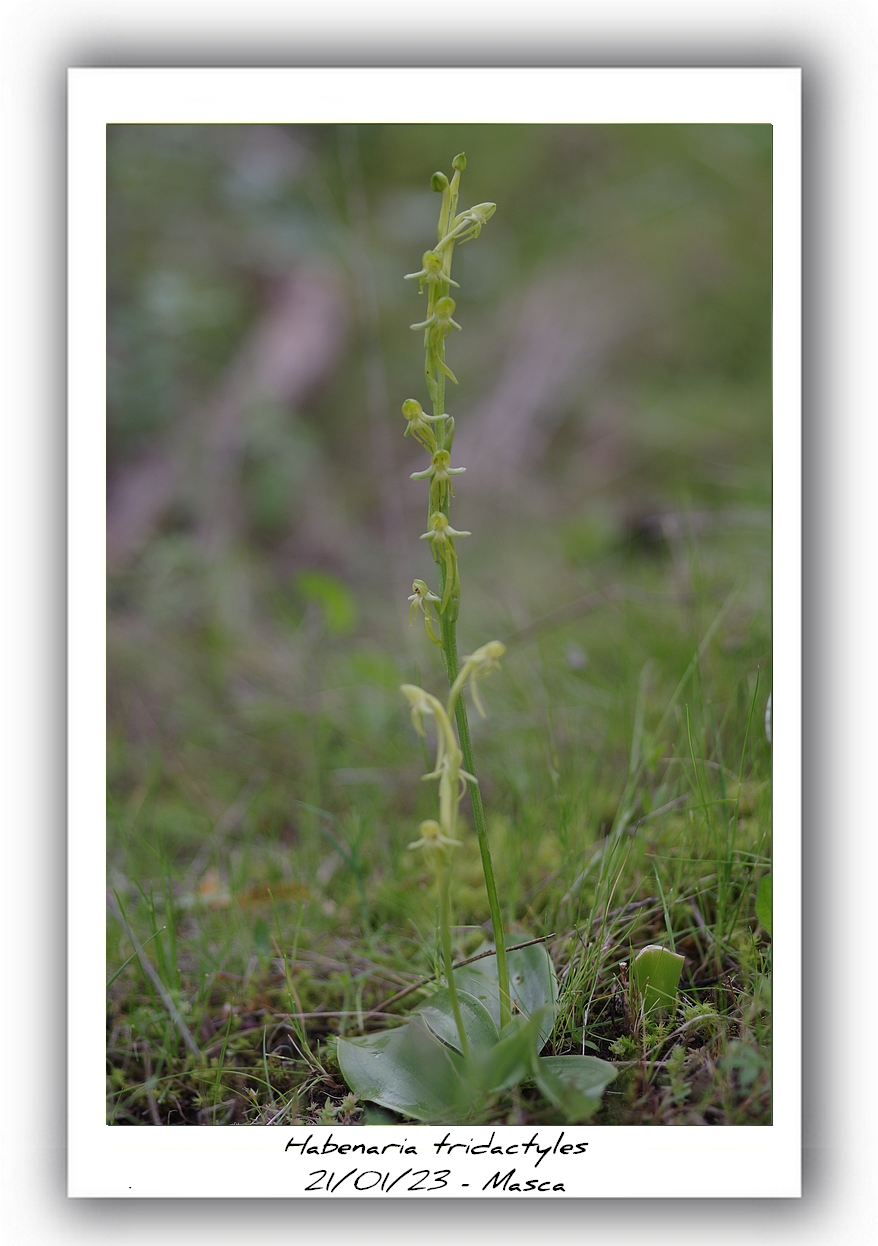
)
(438, 396)
(452, 666)
(447, 956)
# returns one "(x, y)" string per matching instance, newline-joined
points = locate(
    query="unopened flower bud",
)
(439, 181)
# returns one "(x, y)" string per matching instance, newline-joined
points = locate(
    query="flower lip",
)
(420, 592)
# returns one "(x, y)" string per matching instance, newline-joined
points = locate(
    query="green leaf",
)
(511, 1060)
(763, 901)
(374, 1115)
(407, 1070)
(587, 1074)
(575, 1084)
(656, 971)
(478, 1024)
(532, 984)
(333, 597)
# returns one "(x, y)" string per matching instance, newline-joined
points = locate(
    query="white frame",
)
(621, 1162)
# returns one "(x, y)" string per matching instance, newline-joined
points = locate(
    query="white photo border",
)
(621, 1161)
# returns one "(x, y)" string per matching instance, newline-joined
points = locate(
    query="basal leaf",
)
(375, 1115)
(588, 1074)
(511, 1060)
(532, 984)
(407, 1070)
(478, 1024)
(575, 1084)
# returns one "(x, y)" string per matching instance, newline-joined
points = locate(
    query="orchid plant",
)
(479, 1033)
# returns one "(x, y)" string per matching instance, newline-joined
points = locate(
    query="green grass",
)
(264, 788)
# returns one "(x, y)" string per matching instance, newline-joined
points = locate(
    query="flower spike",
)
(436, 434)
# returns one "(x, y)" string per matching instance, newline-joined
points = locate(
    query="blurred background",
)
(613, 414)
